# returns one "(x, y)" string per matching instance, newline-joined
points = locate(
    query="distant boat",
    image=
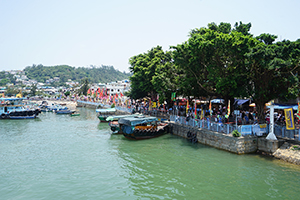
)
(14, 108)
(75, 114)
(64, 111)
(102, 114)
(138, 128)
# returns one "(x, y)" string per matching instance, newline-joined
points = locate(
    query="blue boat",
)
(14, 108)
(138, 128)
(64, 111)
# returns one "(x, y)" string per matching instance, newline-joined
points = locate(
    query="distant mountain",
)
(103, 74)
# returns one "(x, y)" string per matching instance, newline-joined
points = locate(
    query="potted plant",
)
(235, 133)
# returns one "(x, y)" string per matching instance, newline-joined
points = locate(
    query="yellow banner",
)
(153, 104)
(289, 119)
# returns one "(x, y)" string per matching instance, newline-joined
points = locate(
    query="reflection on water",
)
(63, 157)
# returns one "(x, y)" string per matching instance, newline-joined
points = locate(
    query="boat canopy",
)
(133, 121)
(106, 110)
(117, 117)
(11, 99)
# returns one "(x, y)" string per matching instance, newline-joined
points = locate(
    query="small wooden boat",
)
(102, 114)
(75, 113)
(138, 128)
(63, 112)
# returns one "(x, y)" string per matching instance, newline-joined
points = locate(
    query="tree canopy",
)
(103, 74)
(224, 62)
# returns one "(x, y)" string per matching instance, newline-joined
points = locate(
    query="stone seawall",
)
(238, 145)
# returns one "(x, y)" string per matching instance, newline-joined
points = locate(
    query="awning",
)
(240, 101)
(281, 107)
(221, 101)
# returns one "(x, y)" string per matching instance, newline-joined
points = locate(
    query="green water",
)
(63, 157)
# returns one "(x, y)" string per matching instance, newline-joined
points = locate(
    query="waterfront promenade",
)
(287, 149)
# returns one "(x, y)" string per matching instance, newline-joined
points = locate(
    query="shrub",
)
(235, 133)
(113, 105)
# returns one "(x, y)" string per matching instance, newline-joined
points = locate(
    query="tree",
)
(215, 59)
(274, 72)
(242, 28)
(85, 85)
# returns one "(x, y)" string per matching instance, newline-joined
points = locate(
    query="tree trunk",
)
(260, 105)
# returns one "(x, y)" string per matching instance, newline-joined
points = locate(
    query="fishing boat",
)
(138, 128)
(75, 114)
(14, 108)
(103, 113)
(113, 121)
(64, 111)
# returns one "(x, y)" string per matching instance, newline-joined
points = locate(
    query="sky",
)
(81, 33)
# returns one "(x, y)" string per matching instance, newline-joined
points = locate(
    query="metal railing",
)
(253, 129)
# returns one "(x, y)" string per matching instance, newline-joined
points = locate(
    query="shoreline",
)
(288, 152)
(70, 104)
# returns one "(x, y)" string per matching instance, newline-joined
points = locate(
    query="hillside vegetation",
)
(103, 74)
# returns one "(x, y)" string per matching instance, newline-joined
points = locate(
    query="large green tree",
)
(153, 73)
(214, 56)
(273, 70)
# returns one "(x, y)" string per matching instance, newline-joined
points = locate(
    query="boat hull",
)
(142, 134)
(102, 119)
(23, 117)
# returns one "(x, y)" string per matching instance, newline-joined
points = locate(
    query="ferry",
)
(14, 108)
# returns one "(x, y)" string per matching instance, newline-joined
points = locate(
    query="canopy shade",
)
(106, 110)
(240, 101)
(221, 101)
(133, 121)
(281, 107)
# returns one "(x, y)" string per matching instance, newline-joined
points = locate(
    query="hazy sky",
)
(81, 33)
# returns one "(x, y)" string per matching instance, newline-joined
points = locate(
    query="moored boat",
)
(75, 114)
(113, 121)
(64, 111)
(138, 128)
(14, 108)
(103, 113)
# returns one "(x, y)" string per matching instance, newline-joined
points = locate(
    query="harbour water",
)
(64, 157)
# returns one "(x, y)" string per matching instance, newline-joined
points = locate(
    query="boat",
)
(103, 113)
(113, 121)
(75, 114)
(64, 111)
(14, 108)
(138, 128)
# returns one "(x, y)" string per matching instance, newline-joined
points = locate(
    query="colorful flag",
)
(121, 94)
(210, 111)
(187, 106)
(289, 119)
(195, 110)
(89, 91)
(228, 108)
(173, 97)
(298, 111)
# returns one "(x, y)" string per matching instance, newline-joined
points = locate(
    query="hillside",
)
(103, 74)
